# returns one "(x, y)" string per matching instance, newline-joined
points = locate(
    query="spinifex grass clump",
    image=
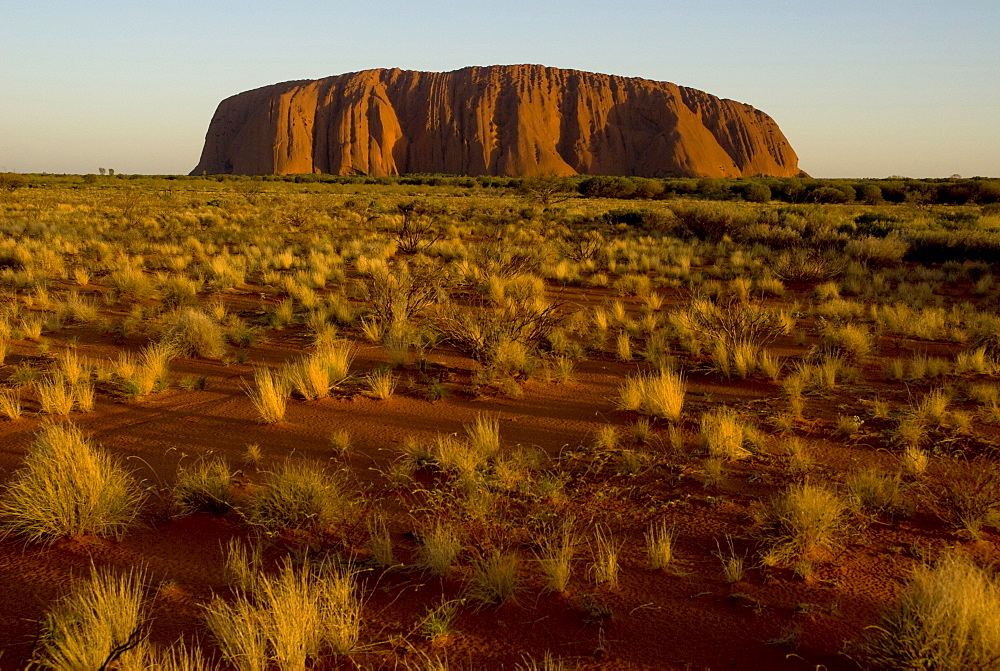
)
(298, 496)
(946, 618)
(660, 542)
(381, 383)
(300, 615)
(270, 397)
(315, 375)
(484, 436)
(194, 333)
(440, 547)
(55, 396)
(68, 487)
(204, 486)
(877, 493)
(97, 623)
(494, 578)
(607, 552)
(722, 434)
(147, 373)
(556, 556)
(804, 520)
(659, 394)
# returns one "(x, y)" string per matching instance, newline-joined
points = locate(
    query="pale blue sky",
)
(861, 89)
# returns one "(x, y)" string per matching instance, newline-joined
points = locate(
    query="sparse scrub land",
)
(360, 422)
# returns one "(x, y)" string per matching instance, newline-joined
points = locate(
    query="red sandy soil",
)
(684, 618)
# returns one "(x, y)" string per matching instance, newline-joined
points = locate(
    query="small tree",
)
(11, 181)
(419, 229)
(546, 190)
(757, 193)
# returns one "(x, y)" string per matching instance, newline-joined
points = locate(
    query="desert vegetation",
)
(441, 422)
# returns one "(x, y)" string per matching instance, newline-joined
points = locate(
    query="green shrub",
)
(711, 221)
(11, 181)
(640, 218)
(608, 186)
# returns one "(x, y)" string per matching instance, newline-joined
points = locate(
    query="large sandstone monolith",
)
(509, 120)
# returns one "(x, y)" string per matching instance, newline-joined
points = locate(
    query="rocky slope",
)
(512, 120)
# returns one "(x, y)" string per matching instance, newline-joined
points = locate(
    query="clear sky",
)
(861, 89)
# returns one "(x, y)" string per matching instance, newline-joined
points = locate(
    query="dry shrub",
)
(806, 519)
(68, 487)
(482, 331)
(195, 333)
(878, 251)
(659, 394)
(270, 397)
(722, 434)
(965, 493)
(852, 342)
(298, 496)
(96, 626)
(946, 619)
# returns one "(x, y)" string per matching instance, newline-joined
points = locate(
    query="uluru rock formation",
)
(507, 120)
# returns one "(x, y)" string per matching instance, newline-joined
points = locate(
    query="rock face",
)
(507, 120)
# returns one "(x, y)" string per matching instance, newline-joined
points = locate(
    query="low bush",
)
(298, 496)
(204, 486)
(804, 520)
(67, 488)
(99, 625)
(946, 619)
(658, 394)
(194, 333)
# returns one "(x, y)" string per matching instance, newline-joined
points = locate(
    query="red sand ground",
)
(684, 618)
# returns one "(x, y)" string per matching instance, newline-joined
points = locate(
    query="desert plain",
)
(493, 423)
